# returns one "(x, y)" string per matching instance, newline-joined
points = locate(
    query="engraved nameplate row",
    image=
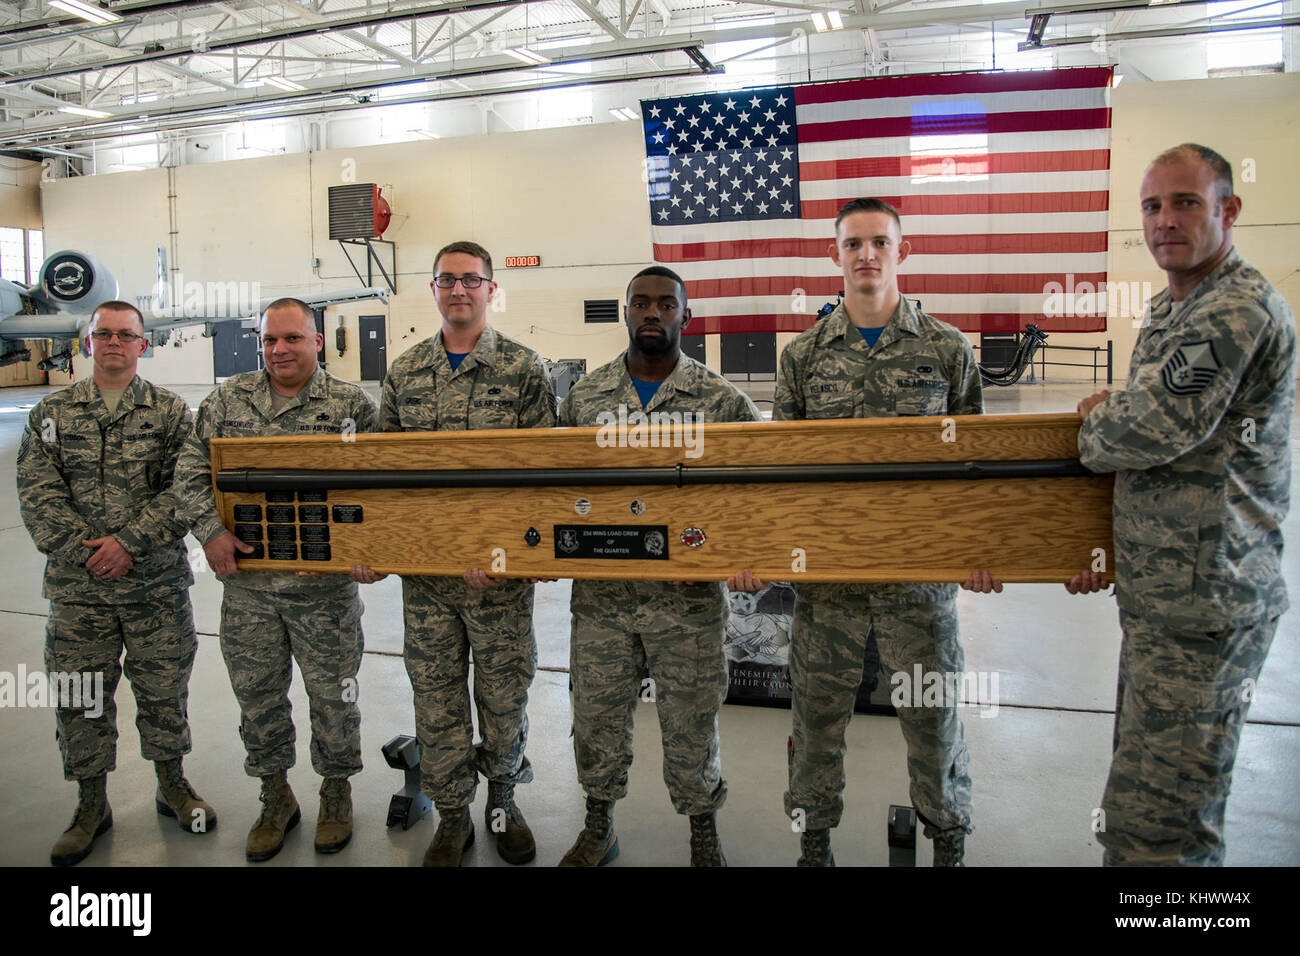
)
(289, 526)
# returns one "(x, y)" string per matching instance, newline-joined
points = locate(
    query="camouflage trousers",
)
(676, 633)
(827, 642)
(1181, 703)
(447, 619)
(88, 639)
(262, 634)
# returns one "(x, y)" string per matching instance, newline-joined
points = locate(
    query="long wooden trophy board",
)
(891, 499)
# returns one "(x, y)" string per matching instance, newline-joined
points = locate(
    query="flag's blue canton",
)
(722, 157)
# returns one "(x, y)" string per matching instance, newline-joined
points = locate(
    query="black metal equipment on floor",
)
(902, 836)
(1031, 339)
(409, 805)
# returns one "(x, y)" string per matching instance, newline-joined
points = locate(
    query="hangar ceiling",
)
(155, 69)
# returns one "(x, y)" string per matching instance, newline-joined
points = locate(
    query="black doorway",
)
(374, 350)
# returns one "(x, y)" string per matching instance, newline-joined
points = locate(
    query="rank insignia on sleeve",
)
(1190, 368)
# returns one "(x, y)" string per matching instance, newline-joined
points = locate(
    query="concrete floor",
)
(1038, 766)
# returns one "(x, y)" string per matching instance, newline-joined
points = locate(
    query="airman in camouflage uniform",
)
(1200, 445)
(269, 618)
(917, 366)
(673, 629)
(95, 475)
(495, 382)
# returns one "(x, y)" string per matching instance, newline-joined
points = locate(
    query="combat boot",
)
(949, 847)
(597, 844)
(280, 814)
(815, 847)
(454, 836)
(176, 798)
(706, 848)
(514, 839)
(93, 818)
(334, 824)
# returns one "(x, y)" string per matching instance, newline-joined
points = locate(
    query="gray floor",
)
(1038, 765)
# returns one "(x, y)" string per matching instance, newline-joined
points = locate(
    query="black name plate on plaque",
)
(313, 514)
(631, 542)
(279, 533)
(248, 533)
(283, 514)
(248, 513)
(313, 496)
(315, 552)
(347, 514)
(313, 534)
(279, 496)
(283, 551)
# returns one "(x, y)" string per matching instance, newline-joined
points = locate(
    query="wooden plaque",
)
(891, 499)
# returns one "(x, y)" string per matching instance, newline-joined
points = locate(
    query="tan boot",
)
(280, 814)
(706, 848)
(176, 798)
(334, 824)
(454, 836)
(93, 818)
(514, 840)
(597, 844)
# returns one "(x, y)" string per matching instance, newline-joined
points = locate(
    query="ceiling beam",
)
(599, 19)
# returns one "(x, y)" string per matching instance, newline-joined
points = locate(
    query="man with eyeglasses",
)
(269, 619)
(469, 376)
(95, 472)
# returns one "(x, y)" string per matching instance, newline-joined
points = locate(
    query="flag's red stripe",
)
(1029, 283)
(1024, 243)
(966, 322)
(948, 84)
(956, 124)
(979, 205)
(990, 164)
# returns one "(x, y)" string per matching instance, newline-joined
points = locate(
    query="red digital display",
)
(521, 262)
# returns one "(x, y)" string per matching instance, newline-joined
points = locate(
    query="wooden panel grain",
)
(1021, 529)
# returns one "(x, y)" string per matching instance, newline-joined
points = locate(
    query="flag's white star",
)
(694, 121)
(786, 207)
(675, 201)
(713, 210)
(786, 154)
(711, 183)
(737, 207)
(725, 196)
(746, 142)
(762, 207)
(735, 184)
(672, 150)
(769, 115)
(659, 137)
(671, 124)
(663, 213)
(711, 159)
(708, 134)
(755, 102)
(786, 180)
(760, 182)
(744, 116)
(780, 101)
(774, 166)
(730, 104)
(699, 147)
(718, 118)
(774, 193)
(687, 186)
(699, 173)
(654, 112)
(749, 194)
(748, 168)
(758, 130)
(771, 141)
(684, 135)
(783, 128)
(679, 109)
(761, 155)
(673, 174)
(688, 213)
(704, 107)
(686, 160)
(732, 131)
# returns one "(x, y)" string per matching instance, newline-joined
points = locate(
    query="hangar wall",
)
(574, 196)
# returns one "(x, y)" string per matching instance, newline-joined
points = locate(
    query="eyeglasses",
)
(126, 338)
(470, 281)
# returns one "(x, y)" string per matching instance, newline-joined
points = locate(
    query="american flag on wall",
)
(1001, 179)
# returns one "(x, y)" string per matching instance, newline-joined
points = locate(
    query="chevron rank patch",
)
(1190, 368)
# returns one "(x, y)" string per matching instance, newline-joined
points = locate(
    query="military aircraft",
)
(70, 284)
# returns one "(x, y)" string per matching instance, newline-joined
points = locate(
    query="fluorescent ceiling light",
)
(82, 111)
(830, 20)
(523, 55)
(86, 11)
(622, 113)
(282, 83)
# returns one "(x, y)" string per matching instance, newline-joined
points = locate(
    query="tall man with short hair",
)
(269, 619)
(95, 473)
(676, 629)
(877, 355)
(469, 376)
(1200, 444)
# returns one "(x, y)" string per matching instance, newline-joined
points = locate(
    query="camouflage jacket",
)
(691, 387)
(85, 473)
(241, 406)
(1200, 443)
(499, 384)
(918, 366)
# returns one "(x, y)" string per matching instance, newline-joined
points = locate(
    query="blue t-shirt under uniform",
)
(645, 390)
(455, 358)
(870, 335)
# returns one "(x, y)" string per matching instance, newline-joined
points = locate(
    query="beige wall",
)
(20, 197)
(574, 196)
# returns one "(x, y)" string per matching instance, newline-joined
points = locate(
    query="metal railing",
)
(1102, 358)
